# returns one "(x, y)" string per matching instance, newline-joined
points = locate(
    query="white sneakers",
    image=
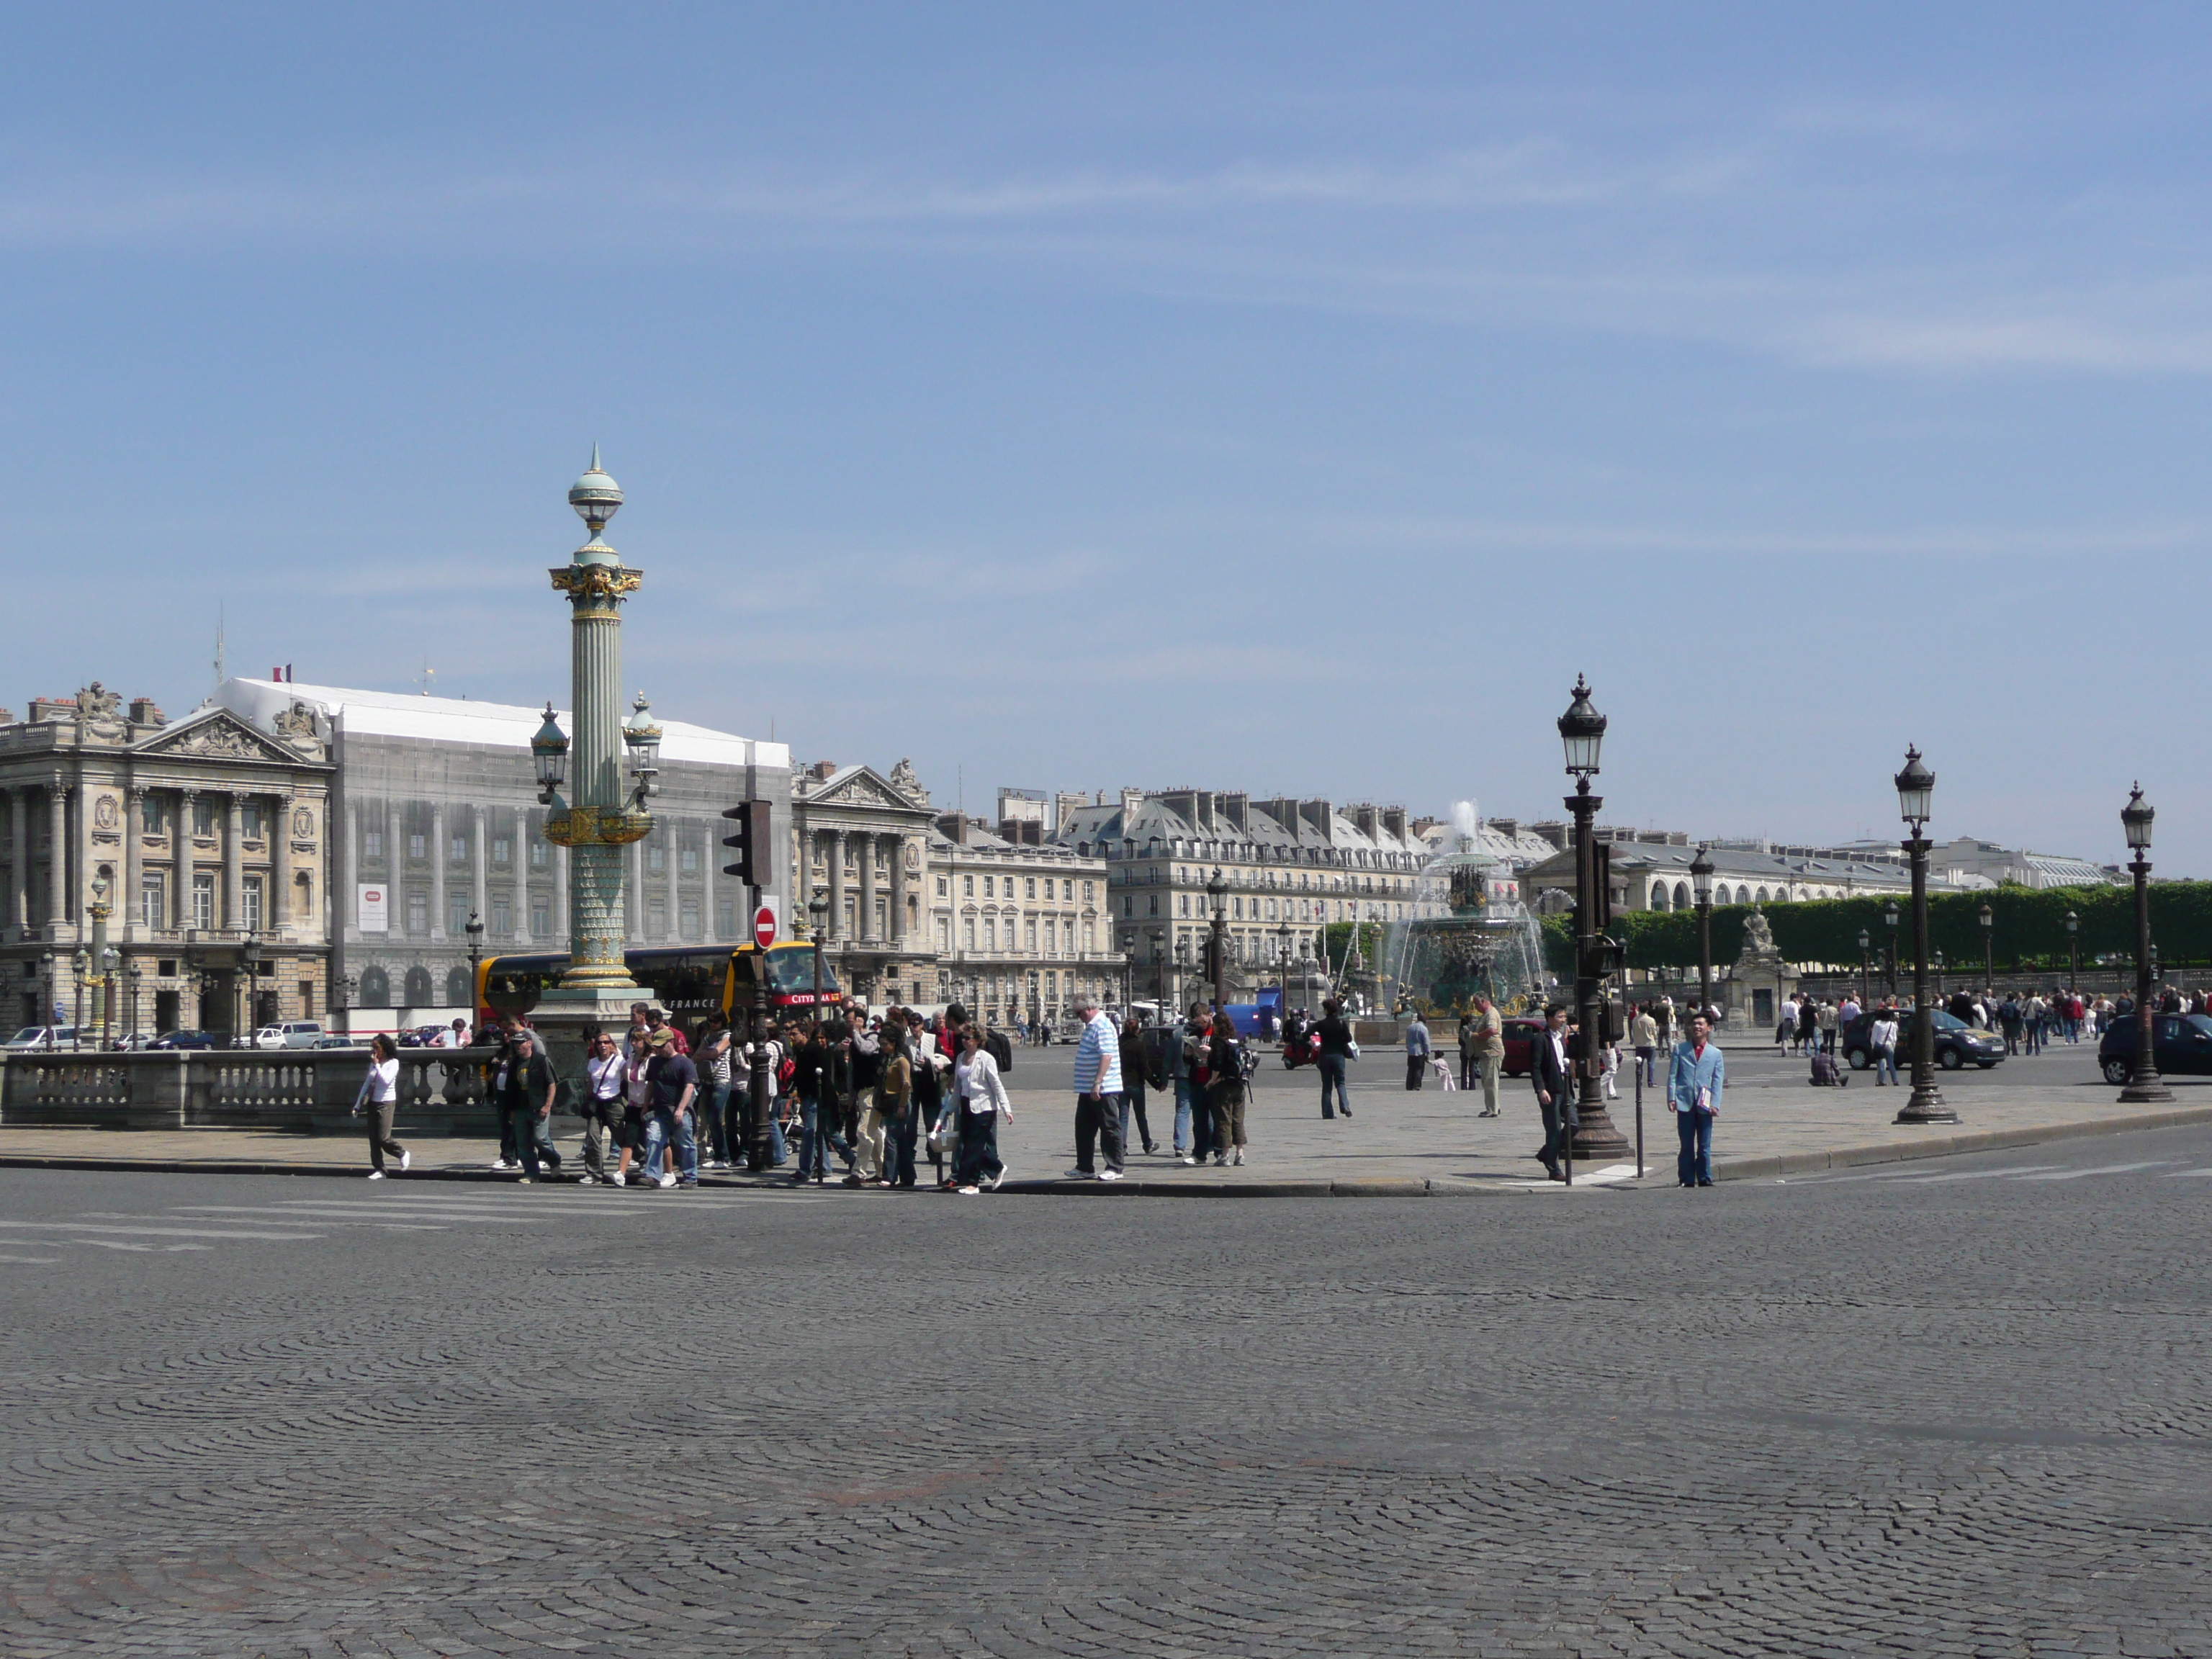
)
(967, 1192)
(667, 1179)
(1239, 1157)
(376, 1175)
(616, 1178)
(405, 1158)
(1109, 1175)
(502, 1164)
(997, 1178)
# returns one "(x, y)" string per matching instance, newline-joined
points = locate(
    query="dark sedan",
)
(1957, 1043)
(2182, 1044)
(1520, 1034)
(188, 1040)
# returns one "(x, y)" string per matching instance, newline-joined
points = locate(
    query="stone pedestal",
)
(1756, 988)
(564, 1017)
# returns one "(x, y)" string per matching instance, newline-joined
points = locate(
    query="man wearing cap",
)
(674, 1082)
(530, 1087)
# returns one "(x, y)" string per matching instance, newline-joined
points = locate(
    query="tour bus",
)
(691, 982)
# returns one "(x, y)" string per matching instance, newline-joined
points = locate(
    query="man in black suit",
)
(1552, 1068)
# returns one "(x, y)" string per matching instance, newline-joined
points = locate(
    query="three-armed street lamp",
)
(1582, 733)
(2144, 1084)
(1989, 957)
(1916, 793)
(1889, 916)
(1866, 970)
(2073, 952)
(1701, 882)
(1217, 895)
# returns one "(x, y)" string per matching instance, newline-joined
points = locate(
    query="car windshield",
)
(2198, 1023)
(29, 1034)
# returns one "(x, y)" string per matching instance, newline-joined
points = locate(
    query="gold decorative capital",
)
(597, 826)
(597, 581)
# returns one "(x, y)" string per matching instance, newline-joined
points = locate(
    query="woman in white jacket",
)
(378, 1100)
(982, 1096)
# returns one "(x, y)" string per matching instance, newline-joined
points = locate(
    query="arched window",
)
(375, 988)
(456, 987)
(418, 987)
(1762, 896)
(1659, 896)
(1681, 895)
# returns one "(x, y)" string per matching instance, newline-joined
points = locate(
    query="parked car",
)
(1522, 1031)
(41, 1036)
(333, 1041)
(1957, 1043)
(187, 1040)
(2181, 1043)
(292, 1034)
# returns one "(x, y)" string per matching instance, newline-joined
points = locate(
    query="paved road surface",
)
(1950, 1408)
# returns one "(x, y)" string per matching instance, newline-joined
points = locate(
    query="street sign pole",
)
(757, 1142)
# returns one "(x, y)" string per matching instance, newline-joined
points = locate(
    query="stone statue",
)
(101, 711)
(907, 782)
(1758, 934)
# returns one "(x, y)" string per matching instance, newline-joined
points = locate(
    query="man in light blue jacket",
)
(1694, 1095)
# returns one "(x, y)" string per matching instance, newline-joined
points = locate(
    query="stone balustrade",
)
(301, 1091)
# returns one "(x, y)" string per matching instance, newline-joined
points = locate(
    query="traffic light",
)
(751, 841)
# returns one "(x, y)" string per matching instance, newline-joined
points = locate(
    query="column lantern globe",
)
(548, 752)
(1582, 731)
(1916, 791)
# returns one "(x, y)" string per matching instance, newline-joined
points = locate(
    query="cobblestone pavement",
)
(1959, 1407)
(1395, 1135)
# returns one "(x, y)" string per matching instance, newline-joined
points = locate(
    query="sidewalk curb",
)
(1946, 1146)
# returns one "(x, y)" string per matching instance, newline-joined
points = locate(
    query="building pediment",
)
(861, 788)
(216, 734)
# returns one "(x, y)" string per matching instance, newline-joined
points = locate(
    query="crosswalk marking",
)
(32, 1260)
(244, 1217)
(157, 1232)
(2177, 1175)
(1981, 1175)
(2107, 1169)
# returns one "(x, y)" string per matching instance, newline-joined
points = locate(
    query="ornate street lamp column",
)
(2144, 1084)
(605, 816)
(1989, 948)
(1889, 914)
(1701, 881)
(1866, 970)
(1916, 790)
(1581, 730)
(1216, 894)
(2073, 952)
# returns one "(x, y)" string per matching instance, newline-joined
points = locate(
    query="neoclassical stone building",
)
(196, 848)
(1018, 922)
(858, 842)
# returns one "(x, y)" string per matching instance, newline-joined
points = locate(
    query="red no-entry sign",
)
(764, 926)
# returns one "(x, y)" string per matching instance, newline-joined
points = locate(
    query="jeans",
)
(900, 1134)
(1562, 1117)
(979, 1146)
(663, 1125)
(1132, 1100)
(1647, 1062)
(1885, 1060)
(1183, 1115)
(1415, 1065)
(1694, 1163)
(817, 1141)
(533, 1139)
(1331, 1068)
(1099, 1119)
(717, 1122)
(1469, 1065)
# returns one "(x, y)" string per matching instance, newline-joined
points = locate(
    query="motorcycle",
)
(1302, 1051)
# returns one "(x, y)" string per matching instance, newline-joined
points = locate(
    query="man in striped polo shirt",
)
(1097, 1092)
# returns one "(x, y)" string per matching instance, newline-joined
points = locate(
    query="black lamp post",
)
(1936, 964)
(1582, 733)
(134, 974)
(1866, 971)
(474, 928)
(53, 986)
(1160, 970)
(1217, 895)
(2073, 952)
(249, 956)
(1701, 882)
(1283, 968)
(2144, 1084)
(82, 962)
(1989, 955)
(818, 914)
(1916, 792)
(1889, 914)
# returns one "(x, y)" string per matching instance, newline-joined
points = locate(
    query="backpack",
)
(1001, 1050)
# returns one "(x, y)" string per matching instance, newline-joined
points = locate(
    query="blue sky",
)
(1275, 397)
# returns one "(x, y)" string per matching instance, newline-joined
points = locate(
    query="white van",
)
(40, 1036)
(293, 1034)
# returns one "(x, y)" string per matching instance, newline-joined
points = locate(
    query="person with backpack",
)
(1337, 1051)
(1195, 1076)
(530, 1087)
(1097, 1093)
(893, 1103)
(1224, 1068)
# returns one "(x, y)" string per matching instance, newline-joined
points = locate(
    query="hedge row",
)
(2027, 929)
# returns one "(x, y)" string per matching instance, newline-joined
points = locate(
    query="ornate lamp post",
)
(249, 957)
(110, 960)
(1989, 955)
(47, 964)
(1889, 914)
(1701, 881)
(474, 928)
(1159, 936)
(1866, 979)
(1916, 792)
(134, 976)
(100, 912)
(2073, 952)
(1283, 969)
(2143, 1086)
(604, 816)
(1936, 963)
(82, 962)
(1582, 733)
(1216, 896)
(818, 914)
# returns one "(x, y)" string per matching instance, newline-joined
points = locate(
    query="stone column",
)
(478, 875)
(898, 931)
(525, 935)
(867, 856)
(58, 796)
(130, 911)
(19, 862)
(278, 899)
(233, 878)
(837, 928)
(437, 872)
(561, 924)
(180, 850)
